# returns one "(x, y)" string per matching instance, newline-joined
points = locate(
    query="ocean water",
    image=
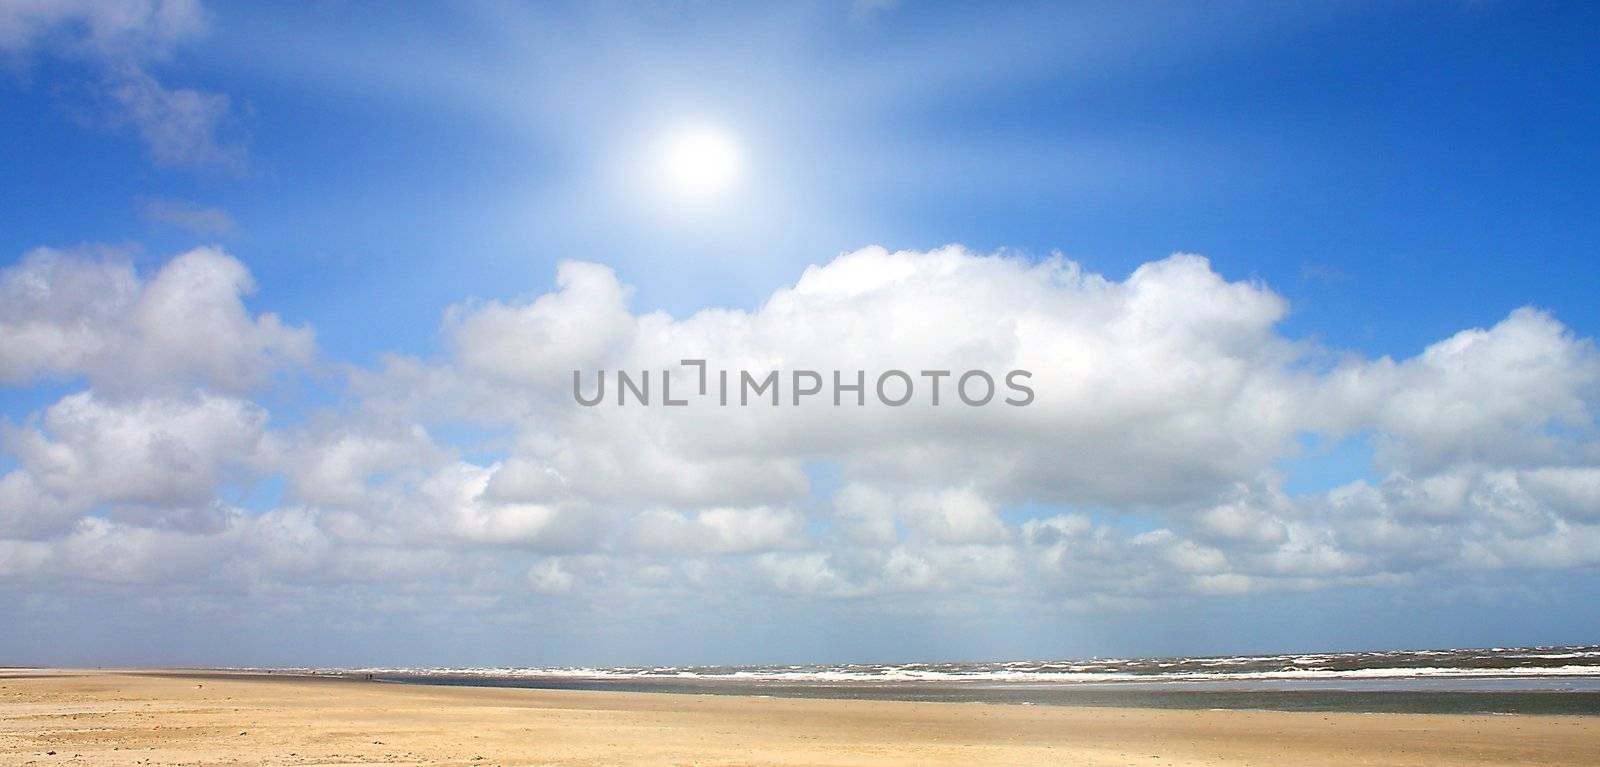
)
(1520, 680)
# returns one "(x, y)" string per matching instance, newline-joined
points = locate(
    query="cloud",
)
(72, 314)
(1146, 470)
(1160, 387)
(186, 216)
(584, 320)
(161, 453)
(862, 11)
(1481, 395)
(181, 127)
(715, 531)
(108, 29)
(549, 577)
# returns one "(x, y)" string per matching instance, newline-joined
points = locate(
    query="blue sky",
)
(1347, 154)
(401, 183)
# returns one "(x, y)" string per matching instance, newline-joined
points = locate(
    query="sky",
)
(291, 300)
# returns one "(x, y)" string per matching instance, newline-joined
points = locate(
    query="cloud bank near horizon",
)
(1151, 467)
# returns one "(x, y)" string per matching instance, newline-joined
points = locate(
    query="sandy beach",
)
(186, 718)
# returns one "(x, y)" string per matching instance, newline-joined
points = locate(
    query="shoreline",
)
(173, 716)
(1450, 696)
(1445, 697)
(1345, 697)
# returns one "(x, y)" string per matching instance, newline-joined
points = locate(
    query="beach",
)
(214, 718)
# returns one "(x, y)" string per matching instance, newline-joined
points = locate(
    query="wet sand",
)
(188, 718)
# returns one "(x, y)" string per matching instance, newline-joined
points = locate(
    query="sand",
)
(167, 718)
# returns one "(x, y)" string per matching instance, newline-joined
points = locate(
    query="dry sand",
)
(154, 718)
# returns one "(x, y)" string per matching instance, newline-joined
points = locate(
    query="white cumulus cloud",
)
(1149, 467)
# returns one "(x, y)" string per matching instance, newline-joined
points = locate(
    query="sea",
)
(1497, 680)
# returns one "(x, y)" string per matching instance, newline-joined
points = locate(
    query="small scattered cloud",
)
(121, 40)
(101, 29)
(862, 11)
(181, 127)
(1312, 272)
(185, 215)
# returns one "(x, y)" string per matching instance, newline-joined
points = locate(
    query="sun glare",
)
(701, 163)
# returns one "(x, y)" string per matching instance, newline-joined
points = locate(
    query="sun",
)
(701, 162)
